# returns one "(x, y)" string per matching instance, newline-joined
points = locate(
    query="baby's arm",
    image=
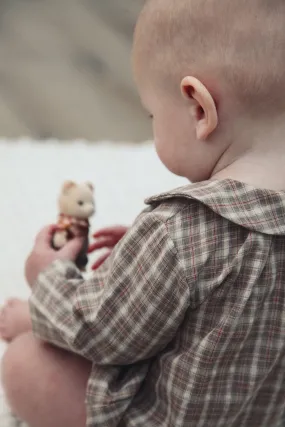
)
(128, 311)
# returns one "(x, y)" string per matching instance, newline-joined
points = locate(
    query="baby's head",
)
(206, 70)
(76, 200)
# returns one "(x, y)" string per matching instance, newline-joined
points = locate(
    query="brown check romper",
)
(185, 323)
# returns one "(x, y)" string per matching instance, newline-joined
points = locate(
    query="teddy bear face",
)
(77, 200)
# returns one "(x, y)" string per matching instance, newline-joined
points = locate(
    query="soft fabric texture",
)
(196, 283)
(31, 175)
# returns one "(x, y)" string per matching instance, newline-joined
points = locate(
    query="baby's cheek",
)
(162, 153)
(161, 139)
(158, 137)
(158, 146)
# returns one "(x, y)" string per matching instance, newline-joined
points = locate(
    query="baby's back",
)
(226, 365)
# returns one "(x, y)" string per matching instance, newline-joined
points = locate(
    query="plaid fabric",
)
(185, 322)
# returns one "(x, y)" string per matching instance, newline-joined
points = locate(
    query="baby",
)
(183, 325)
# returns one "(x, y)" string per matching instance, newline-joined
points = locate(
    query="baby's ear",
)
(67, 186)
(90, 185)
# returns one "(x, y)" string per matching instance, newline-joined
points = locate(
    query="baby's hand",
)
(43, 254)
(106, 238)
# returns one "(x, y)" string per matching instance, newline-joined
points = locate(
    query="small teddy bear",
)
(76, 206)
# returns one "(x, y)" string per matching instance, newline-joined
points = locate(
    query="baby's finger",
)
(107, 242)
(115, 231)
(101, 260)
(107, 231)
(45, 235)
(71, 250)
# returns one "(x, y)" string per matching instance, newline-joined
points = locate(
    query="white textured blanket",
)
(31, 174)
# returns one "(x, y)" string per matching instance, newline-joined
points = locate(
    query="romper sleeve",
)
(130, 308)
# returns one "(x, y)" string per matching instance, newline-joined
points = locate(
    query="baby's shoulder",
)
(207, 232)
(202, 220)
(191, 207)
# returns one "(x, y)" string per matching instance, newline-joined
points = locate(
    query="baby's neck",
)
(260, 163)
(259, 173)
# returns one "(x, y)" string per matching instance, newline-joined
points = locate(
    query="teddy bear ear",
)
(90, 185)
(67, 185)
